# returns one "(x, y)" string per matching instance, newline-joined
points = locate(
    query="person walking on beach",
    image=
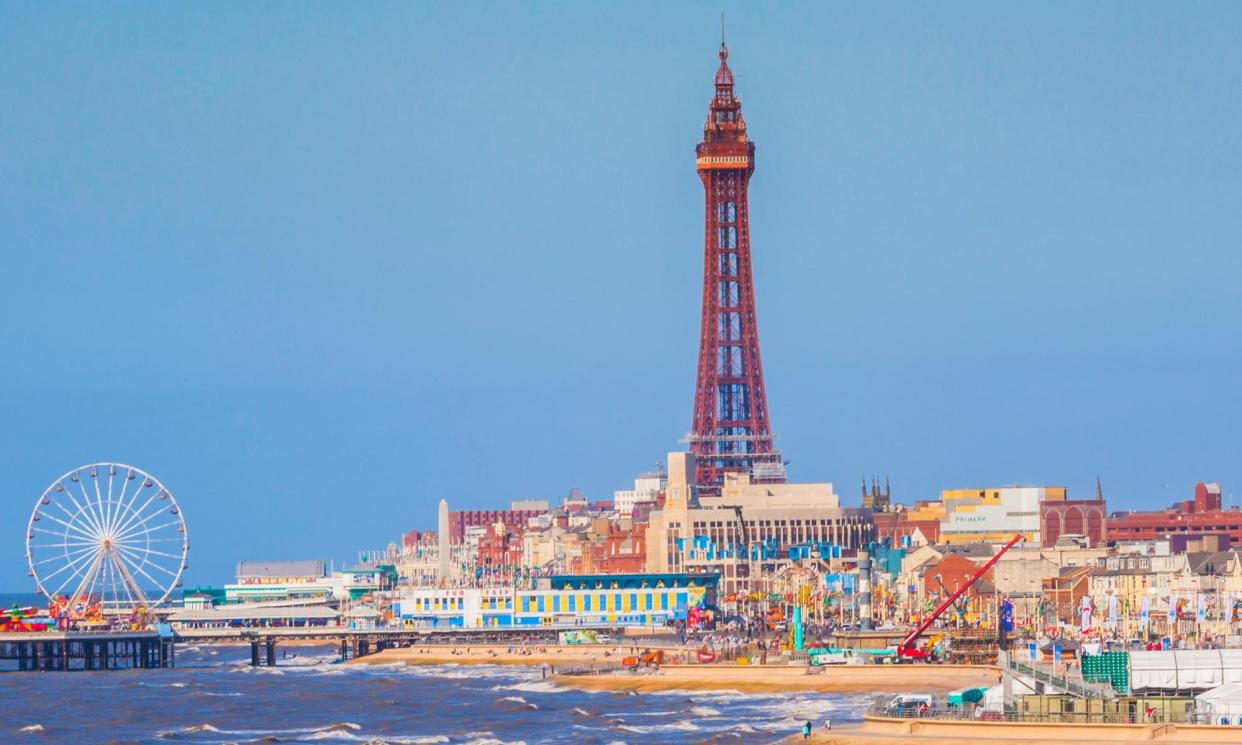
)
(806, 730)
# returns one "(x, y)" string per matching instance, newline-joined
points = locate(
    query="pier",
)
(129, 650)
(354, 643)
(64, 651)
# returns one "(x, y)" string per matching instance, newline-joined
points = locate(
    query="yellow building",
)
(988, 515)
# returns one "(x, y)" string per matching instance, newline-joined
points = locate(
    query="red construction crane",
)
(907, 646)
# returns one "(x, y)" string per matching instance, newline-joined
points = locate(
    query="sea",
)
(214, 697)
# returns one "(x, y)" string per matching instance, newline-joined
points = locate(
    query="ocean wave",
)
(681, 726)
(640, 713)
(534, 686)
(32, 728)
(704, 711)
(199, 728)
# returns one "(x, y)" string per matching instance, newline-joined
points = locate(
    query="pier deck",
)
(87, 650)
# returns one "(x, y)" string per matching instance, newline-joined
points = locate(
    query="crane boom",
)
(906, 647)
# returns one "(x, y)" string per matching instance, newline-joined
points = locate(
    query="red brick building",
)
(502, 549)
(895, 526)
(513, 519)
(1194, 517)
(1081, 517)
(418, 538)
(954, 571)
(621, 550)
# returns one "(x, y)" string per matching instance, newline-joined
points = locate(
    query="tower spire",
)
(731, 431)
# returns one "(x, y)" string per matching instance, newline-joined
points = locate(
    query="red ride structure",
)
(907, 646)
(731, 431)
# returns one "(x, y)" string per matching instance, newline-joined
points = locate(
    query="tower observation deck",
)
(731, 430)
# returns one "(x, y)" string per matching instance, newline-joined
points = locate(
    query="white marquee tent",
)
(1189, 669)
(1222, 704)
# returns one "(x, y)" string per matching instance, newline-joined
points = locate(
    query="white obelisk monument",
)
(445, 552)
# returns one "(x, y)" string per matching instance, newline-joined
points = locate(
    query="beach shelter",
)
(1222, 704)
(966, 696)
(362, 617)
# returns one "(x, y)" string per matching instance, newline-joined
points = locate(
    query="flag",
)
(1144, 613)
(1201, 613)
(1112, 611)
(1172, 606)
(1006, 616)
(1085, 613)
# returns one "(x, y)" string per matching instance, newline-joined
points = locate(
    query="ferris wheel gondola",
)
(106, 536)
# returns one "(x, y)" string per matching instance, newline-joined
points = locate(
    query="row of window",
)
(601, 602)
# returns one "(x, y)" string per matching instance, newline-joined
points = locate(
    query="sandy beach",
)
(777, 678)
(745, 678)
(554, 655)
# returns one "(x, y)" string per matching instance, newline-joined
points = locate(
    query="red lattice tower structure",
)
(731, 430)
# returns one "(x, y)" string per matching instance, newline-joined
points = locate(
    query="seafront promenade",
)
(876, 730)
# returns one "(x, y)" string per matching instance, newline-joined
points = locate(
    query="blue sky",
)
(317, 266)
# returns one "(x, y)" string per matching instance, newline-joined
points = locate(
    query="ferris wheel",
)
(106, 536)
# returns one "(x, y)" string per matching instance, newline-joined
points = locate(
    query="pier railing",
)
(940, 710)
(1063, 680)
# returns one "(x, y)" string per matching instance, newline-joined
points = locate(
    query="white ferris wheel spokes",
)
(108, 535)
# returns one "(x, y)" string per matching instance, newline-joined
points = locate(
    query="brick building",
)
(515, 518)
(1193, 517)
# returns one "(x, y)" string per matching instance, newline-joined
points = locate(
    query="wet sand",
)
(744, 678)
(778, 678)
(566, 655)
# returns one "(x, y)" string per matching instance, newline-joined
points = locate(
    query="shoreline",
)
(695, 677)
(786, 678)
(478, 654)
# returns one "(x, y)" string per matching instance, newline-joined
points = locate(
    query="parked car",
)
(909, 705)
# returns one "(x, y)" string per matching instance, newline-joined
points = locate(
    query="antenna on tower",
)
(722, 28)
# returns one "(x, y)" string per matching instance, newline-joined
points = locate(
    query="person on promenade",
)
(806, 730)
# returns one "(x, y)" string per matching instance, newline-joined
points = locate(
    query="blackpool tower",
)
(731, 430)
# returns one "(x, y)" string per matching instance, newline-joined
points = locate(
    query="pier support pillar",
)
(254, 654)
(271, 654)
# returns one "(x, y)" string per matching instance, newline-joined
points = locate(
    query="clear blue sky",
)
(317, 266)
